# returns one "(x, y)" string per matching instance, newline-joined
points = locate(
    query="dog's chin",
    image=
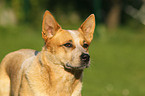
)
(81, 67)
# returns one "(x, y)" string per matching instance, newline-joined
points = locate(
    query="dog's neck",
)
(68, 80)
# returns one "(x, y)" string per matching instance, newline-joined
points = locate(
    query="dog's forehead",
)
(68, 35)
(62, 36)
(76, 35)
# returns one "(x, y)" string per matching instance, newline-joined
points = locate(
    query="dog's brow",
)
(76, 38)
(74, 34)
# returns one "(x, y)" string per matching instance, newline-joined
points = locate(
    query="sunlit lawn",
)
(118, 61)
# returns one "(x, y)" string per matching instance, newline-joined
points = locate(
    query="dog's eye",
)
(85, 45)
(68, 45)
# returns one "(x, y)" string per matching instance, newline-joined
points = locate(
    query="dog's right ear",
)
(49, 26)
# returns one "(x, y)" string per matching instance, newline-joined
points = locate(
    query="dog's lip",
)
(69, 66)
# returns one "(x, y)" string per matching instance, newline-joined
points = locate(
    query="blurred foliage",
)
(31, 11)
(112, 13)
(71, 12)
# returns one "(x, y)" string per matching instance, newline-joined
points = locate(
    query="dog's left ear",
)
(88, 27)
(49, 26)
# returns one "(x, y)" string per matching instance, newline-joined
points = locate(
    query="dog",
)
(54, 71)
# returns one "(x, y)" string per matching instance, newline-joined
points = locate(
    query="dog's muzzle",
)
(84, 60)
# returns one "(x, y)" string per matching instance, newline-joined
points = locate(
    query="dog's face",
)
(69, 47)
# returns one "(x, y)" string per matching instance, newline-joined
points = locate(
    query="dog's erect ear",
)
(88, 27)
(49, 26)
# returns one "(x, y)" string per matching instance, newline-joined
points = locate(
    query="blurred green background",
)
(117, 50)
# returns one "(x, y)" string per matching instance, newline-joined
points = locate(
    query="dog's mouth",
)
(83, 66)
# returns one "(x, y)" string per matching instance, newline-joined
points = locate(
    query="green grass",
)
(117, 59)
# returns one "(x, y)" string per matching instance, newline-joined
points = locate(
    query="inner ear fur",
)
(88, 27)
(49, 26)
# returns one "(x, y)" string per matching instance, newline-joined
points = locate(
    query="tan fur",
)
(24, 73)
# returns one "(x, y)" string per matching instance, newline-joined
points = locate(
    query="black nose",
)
(85, 57)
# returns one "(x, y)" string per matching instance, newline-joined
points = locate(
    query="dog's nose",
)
(85, 57)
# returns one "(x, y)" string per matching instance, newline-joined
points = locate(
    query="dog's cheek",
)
(74, 58)
(68, 57)
(61, 54)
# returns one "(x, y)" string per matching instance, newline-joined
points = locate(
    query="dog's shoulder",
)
(18, 58)
(20, 55)
(29, 52)
(25, 53)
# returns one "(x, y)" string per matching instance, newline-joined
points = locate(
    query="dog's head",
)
(68, 47)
